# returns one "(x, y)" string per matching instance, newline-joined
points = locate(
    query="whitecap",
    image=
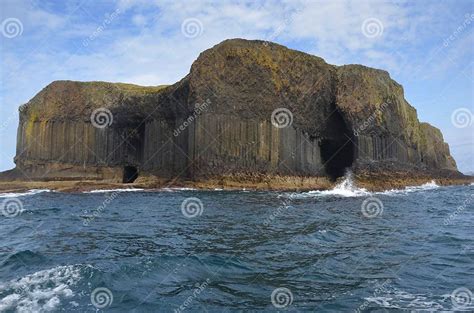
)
(346, 188)
(40, 291)
(425, 187)
(171, 189)
(23, 194)
(399, 299)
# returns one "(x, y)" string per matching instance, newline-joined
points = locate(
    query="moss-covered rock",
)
(348, 116)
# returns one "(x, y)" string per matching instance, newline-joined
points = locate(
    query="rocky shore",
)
(278, 183)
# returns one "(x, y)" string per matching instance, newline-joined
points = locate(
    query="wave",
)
(24, 257)
(428, 186)
(402, 300)
(347, 188)
(41, 291)
(171, 189)
(23, 194)
(114, 190)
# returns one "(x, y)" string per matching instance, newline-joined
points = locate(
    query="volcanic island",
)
(250, 114)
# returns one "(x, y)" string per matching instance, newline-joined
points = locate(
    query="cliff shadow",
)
(130, 174)
(337, 148)
(133, 138)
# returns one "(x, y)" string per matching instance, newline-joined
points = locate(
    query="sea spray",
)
(346, 188)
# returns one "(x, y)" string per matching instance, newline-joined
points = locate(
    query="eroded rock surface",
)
(216, 122)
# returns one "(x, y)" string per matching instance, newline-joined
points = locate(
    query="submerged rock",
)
(248, 111)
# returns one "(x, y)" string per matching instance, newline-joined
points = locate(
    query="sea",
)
(185, 250)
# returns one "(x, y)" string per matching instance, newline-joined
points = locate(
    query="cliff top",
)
(274, 75)
(248, 78)
(73, 99)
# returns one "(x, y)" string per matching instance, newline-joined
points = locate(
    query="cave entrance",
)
(130, 173)
(336, 157)
(337, 149)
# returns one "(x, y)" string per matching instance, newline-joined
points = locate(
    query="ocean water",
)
(343, 250)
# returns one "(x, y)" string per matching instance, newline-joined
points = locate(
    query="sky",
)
(427, 46)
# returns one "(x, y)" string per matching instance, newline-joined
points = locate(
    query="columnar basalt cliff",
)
(216, 123)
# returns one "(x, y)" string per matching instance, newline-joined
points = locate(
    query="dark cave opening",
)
(130, 173)
(337, 149)
(336, 157)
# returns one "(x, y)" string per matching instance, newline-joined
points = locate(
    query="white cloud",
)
(139, 20)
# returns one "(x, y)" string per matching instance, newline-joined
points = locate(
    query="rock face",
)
(218, 121)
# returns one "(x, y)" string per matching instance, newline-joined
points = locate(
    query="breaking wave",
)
(347, 188)
(41, 291)
(402, 300)
(23, 194)
(171, 189)
(428, 186)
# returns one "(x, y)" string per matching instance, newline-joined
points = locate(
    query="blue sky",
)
(427, 46)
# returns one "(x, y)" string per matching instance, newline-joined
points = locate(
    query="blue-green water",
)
(223, 251)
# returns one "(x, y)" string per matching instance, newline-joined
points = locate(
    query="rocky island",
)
(250, 114)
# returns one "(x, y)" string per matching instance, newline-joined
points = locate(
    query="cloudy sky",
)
(427, 46)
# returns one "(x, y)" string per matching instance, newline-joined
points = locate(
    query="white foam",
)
(346, 188)
(41, 291)
(428, 186)
(402, 300)
(23, 194)
(114, 190)
(172, 189)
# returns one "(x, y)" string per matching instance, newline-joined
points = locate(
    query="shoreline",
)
(277, 183)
